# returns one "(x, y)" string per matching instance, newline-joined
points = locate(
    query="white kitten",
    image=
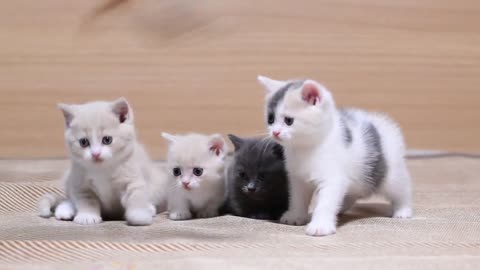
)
(111, 175)
(343, 155)
(197, 166)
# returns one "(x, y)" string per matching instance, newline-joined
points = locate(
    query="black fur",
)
(258, 164)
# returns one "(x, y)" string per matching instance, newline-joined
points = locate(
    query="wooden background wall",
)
(190, 65)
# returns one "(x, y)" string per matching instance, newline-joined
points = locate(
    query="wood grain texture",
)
(190, 65)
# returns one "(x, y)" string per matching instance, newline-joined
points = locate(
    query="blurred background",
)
(191, 65)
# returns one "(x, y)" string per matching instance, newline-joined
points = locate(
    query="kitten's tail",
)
(48, 203)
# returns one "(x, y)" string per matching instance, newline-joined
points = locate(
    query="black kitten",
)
(257, 179)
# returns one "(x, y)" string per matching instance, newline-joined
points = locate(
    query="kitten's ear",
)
(311, 92)
(122, 109)
(169, 137)
(217, 145)
(236, 141)
(67, 111)
(278, 151)
(270, 85)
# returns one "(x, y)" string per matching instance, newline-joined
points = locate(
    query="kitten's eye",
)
(271, 118)
(177, 172)
(106, 140)
(84, 142)
(197, 171)
(242, 175)
(288, 121)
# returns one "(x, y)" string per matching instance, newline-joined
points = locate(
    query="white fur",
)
(125, 182)
(206, 193)
(318, 161)
(47, 203)
(65, 210)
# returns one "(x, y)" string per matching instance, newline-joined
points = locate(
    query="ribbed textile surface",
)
(444, 234)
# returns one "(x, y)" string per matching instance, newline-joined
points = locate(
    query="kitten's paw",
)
(294, 218)
(87, 219)
(139, 216)
(65, 211)
(152, 210)
(207, 214)
(180, 215)
(405, 212)
(320, 228)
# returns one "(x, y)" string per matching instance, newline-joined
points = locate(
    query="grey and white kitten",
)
(341, 155)
(111, 175)
(257, 181)
(197, 175)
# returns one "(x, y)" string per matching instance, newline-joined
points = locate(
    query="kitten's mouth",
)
(98, 160)
(276, 138)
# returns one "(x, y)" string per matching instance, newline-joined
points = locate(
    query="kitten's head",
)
(100, 133)
(258, 168)
(297, 111)
(195, 160)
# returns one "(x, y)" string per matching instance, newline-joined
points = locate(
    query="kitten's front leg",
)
(300, 196)
(138, 210)
(88, 208)
(329, 201)
(178, 208)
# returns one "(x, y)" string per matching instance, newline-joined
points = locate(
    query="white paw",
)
(405, 212)
(65, 211)
(294, 218)
(320, 228)
(152, 209)
(87, 219)
(139, 216)
(180, 215)
(207, 214)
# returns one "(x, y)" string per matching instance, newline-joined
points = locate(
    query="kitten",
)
(257, 184)
(342, 155)
(111, 175)
(197, 170)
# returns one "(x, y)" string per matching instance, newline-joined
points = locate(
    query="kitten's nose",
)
(251, 187)
(186, 185)
(96, 155)
(276, 134)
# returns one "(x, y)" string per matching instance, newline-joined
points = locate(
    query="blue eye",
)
(107, 140)
(271, 118)
(84, 142)
(197, 171)
(177, 172)
(289, 121)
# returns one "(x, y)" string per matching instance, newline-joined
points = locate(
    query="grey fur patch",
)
(376, 166)
(280, 94)
(347, 133)
(347, 114)
(346, 117)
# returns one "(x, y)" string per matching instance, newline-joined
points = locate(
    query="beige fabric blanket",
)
(444, 234)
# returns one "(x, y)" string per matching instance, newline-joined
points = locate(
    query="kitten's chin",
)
(281, 141)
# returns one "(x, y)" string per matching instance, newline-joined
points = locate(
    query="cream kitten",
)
(111, 175)
(343, 155)
(197, 166)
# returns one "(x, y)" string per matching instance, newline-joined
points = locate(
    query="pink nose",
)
(96, 155)
(186, 185)
(276, 133)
